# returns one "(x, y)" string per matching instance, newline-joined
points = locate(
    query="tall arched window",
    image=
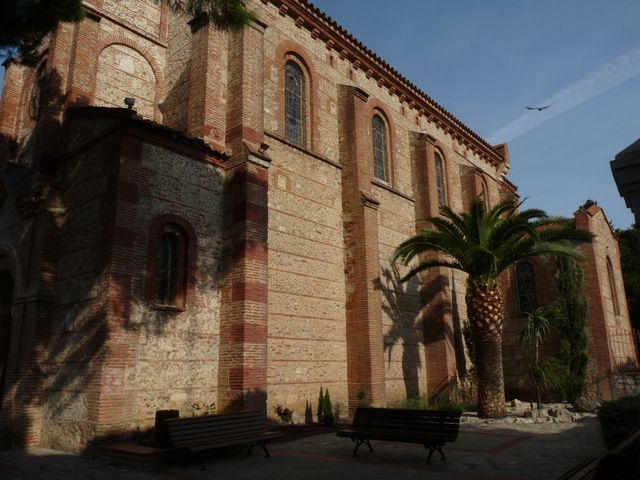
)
(440, 180)
(172, 266)
(526, 284)
(380, 148)
(294, 103)
(612, 288)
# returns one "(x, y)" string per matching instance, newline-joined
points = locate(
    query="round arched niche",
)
(125, 72)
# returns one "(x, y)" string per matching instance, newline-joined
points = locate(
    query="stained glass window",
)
(294, 104)
(526, 284)
(172, 266)
(440, 183)
(380, 149)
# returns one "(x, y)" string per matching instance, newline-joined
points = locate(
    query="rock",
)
(527, 414)
(585, 405)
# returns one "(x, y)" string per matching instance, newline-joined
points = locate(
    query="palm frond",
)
(483, 243)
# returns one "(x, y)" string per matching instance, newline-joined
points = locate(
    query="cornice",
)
(308, 16)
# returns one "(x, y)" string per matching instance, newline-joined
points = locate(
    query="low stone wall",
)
(626, 383)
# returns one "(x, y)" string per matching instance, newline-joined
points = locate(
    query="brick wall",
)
(123, 72)
(611, 345)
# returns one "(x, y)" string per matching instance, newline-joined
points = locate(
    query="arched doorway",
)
(6, 302)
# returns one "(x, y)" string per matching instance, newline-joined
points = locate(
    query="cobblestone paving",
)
(496, 452)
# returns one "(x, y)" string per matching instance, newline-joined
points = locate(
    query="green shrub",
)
(619, 419)
(327, 410)
(416, 403)
(320, 407)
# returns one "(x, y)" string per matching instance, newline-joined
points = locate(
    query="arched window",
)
(35, 95)
(171, 262)
(172, 266)
(612, 288)
(483, 191)
(380, 148)
(294, 103)
(440, 180)
(526, 284)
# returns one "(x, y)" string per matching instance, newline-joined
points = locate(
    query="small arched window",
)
(526, 285)
(380, 148)
(612, 288)
(35, 95)
(172, 266)
(440, 180)
(484, 192)
(294, 103)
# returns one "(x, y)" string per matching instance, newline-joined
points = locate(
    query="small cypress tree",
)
(573, 310)
(321, 407)
(327, 410)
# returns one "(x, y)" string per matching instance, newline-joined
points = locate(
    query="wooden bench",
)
(430, 428)
(621, 463)
(197, 434)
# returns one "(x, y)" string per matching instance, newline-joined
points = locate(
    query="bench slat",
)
(202, 437)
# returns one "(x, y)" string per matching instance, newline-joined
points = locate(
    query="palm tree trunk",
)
(484, 310)
(490, 374)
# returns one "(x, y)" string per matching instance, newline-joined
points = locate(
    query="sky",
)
(486, 61)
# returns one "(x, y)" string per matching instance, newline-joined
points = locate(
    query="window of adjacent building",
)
(440, 180)
(612, 288)
(294, 103)
(526, 285)
(172, 266)
(380, 148)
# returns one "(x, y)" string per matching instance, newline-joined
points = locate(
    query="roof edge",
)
(337, 38)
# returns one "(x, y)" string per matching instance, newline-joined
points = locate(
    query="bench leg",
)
(202, 467)
(433, 449)
(360, 441)
(262, 445)
(186, 458)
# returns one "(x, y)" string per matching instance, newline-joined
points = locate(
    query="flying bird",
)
(538, 108)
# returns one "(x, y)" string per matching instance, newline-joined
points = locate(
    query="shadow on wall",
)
(62, 332)
(439, 328)
(39, 359)
(401, 302)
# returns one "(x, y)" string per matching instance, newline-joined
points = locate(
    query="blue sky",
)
(485, 61)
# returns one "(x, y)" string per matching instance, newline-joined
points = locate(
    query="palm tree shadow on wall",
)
(416, 312)
(443, 324)
(401, 304)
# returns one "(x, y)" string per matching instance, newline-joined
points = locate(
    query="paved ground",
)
(496, 452)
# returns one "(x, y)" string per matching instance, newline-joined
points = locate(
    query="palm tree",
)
(548, 373)
(484, 244)
(224, 14)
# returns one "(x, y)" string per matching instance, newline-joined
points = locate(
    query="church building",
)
(202, 220)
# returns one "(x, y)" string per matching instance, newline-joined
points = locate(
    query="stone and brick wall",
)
(71, 369)
(292, 286)
(611, 346)
(171, 347)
